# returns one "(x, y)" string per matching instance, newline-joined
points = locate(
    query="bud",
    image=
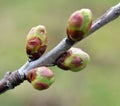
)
(79, 24)
(74, 59)
(36, 42)
(40, 78)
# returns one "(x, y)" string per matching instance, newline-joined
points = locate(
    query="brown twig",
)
(12, 79)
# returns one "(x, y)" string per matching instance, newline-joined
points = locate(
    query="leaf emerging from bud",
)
(74, 59)
(79, 24)
(36, 42)
(40, 78)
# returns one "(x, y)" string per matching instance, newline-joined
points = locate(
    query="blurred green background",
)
(97, 85)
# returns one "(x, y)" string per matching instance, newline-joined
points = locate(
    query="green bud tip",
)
(74, 59)
(40, 78)
(36, 42)
(79, 24)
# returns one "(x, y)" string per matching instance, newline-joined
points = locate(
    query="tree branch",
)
(12, 79)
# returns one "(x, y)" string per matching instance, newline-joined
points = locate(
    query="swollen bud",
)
(74, 59)
(79, 24)
(36, 42)
(40, 78)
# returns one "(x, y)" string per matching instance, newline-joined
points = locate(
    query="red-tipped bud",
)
(40, 78)
(79, 24)
(74, 59)
(36, 42)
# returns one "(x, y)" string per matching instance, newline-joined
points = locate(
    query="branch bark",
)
(12, 79)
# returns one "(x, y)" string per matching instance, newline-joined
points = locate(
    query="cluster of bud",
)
(78, 25)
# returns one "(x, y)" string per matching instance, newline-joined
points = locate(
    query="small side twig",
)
(12, 79)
